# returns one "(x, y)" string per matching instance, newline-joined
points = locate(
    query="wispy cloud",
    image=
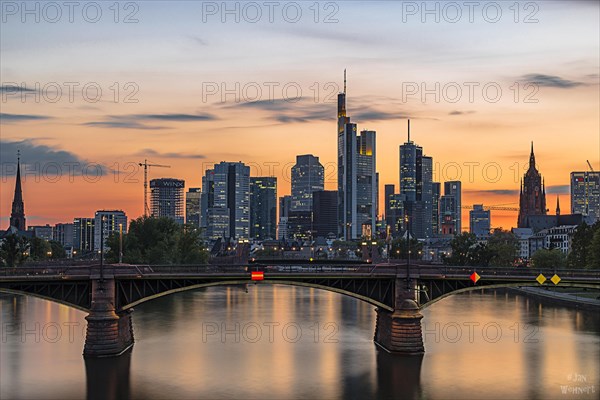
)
(497, 192)
(154, 153)
(46, 160)
(8, 118)
(14, 89)
(558, 189)
(456, 112)
(550, 81)
(122, 125)
(198, 40)
(138, 121)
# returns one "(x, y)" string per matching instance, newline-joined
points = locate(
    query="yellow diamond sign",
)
(541, 279)
(555, 279)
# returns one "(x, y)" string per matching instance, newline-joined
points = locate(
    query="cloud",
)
(122, 125)
(550, 81)
(154, 153)
(369, 114)
(497, 192)
(461, 112)
(38, 159)
(136, 121)
(198, 40)
(8, 118)
(305, 109)
(177, 117)
(14, 88)
(558, 189)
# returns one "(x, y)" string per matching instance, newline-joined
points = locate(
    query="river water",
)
(284, 342)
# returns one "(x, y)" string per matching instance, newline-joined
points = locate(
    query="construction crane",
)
(495, 208)
(590, 165)
(146, 165)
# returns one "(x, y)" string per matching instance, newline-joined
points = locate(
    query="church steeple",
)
(17, 215)
(557, 205)
(532, 158)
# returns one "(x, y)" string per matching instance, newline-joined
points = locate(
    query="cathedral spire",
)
(532, 157)
(17, 215)
(557, 205)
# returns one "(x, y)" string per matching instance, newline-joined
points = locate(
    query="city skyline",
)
(173, 123)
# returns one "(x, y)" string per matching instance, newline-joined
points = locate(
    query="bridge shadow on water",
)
(397, 378)
(108, 378)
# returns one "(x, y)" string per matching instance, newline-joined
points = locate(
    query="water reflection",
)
(108, 378)
(536, 349)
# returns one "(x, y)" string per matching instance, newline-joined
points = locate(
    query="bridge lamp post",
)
(120, 243)
(408, 249)
(102, 248)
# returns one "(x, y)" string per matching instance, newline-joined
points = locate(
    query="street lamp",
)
(408, 247)
(120, 243)
(102, 248)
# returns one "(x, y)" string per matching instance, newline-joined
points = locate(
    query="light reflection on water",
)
(294, 342)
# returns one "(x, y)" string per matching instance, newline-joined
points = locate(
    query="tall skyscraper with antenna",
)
(357, 176)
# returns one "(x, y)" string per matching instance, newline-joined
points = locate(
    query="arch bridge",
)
(398, 291)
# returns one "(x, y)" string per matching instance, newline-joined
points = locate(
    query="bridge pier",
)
(108, 333)
(399, 331)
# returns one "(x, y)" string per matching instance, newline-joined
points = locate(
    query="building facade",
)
(83, 234)
(107, 222)
(227, 188)
(479, 221)
(325, 213)
(263, 208)
(357, 175)
(167, 198)
(307, 177)
(454, 189)
(192, 206)
(585, 195)
(63, 234)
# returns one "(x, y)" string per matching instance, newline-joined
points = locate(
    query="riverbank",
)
(580, 300)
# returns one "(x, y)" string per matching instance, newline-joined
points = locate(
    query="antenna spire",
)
(409, 131)
(344, 80)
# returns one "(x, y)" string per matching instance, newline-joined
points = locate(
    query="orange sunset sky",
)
(531, 82)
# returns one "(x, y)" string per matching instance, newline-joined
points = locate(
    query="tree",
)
(582, 238)
(57, 249)
(593, 256)
(13, 250)
(157, 241)
(504, 247)
(544, 258)
(39, 249)
(462, 249)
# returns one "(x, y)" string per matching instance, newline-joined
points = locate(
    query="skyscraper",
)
(388, 191)
(454, 189)
(307, 177)
(83, 234)
(416, 184)
(448, 215)
(285, 205)
(532, 199)
(63, 233)
(324, 213)
(110, 221)
(192, 206)
(166, 198)
(263, 207)
(435, 208)
(585, 195)
(479, 221)
(17, 215)
(357, 176)
(227, 189)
